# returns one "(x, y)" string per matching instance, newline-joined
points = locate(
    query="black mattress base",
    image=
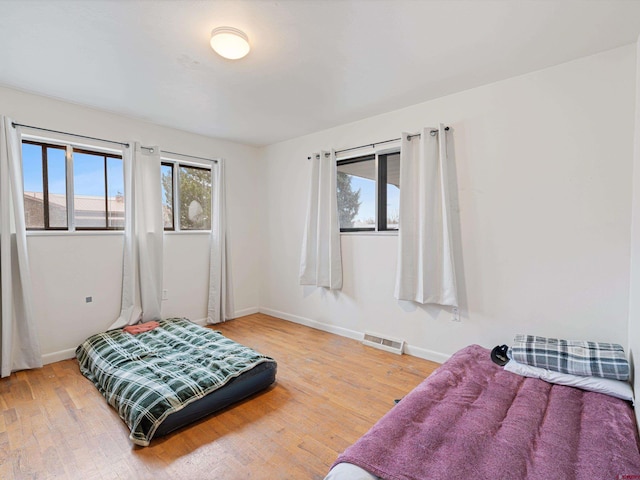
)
(239, 388)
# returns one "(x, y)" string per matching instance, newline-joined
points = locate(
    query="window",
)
(167, 195)
(66, 188)
(368, 190)
(190, 186)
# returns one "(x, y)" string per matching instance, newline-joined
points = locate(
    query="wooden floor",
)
(329, 391)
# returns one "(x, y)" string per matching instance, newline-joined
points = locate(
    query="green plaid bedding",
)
(148, 376)
(598, 359)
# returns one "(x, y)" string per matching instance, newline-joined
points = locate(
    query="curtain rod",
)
(181, 154)
(14, 125)
(433, 132)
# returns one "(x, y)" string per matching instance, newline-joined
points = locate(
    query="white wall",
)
(634, 290)
(68, 268)
(543, 167)
(543, 164)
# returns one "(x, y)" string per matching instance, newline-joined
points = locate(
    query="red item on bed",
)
(473, 419)
(141, 327)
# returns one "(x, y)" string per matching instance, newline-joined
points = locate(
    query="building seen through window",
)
(67, 188)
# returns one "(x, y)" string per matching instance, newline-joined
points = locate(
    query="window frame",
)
(45, 185)
(69, 149)
(167, 163)
(104, 156)
(361, 159)
(381, 213)
(382, 185)
(175, 197)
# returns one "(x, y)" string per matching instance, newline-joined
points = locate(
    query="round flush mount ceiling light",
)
(229, 42)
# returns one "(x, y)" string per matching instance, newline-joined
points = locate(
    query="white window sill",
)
(92, 233)
(188, 232)
(77, 233)
(388, 233)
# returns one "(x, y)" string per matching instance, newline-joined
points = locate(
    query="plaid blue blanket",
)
(595, 359)
(148, 376)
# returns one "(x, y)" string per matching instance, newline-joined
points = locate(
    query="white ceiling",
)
(313, 65)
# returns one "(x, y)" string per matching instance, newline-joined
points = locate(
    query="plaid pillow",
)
(596, 359)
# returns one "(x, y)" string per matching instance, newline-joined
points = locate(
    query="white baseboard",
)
(426, 354)
(345, 332)
(236, 314)
(48, 358)
(245, 311)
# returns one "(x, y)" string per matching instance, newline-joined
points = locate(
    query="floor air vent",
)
(389, 344)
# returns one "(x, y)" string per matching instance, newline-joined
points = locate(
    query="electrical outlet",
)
(88, 299)
(165, 295)
(455, 314)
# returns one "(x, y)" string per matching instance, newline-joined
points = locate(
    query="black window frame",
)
(175, 193)
(351, 161)
(172, 228)
(381, 163)
(45, 185)
(70, 190)
(106, 188)
(383, 170)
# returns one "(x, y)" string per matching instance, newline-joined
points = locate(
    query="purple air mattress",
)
(472, 419)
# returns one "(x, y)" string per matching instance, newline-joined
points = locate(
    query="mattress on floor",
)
(170, 376)
(473, 419)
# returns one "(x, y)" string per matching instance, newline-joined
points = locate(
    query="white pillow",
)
(615, 388)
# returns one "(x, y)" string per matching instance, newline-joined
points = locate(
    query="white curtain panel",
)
(321, 259)
(425, 272)
(143, 237)
(220, 307)
(131, 309)
(20, 348)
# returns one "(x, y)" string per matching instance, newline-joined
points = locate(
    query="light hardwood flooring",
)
(329, 391)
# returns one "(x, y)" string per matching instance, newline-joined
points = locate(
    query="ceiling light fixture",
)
(229, 42)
